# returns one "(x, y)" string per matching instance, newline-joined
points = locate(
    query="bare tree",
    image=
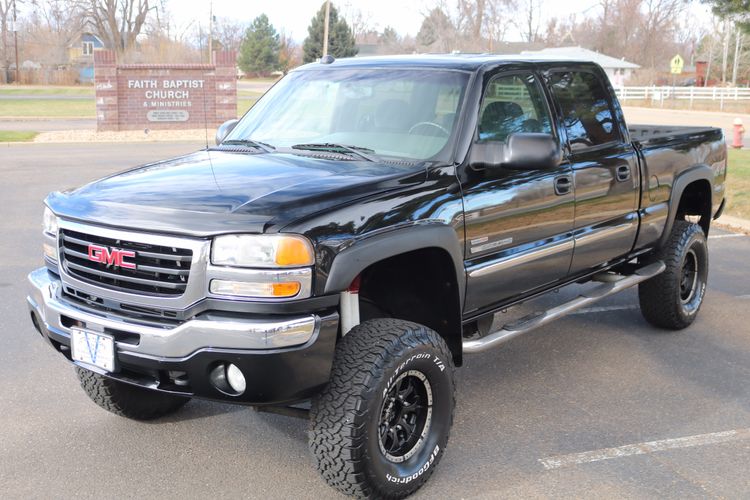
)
(647, 32)
(473, 25)
(117, 22)
(290, 53)
(6, 18)
(530, 23)
(229, 33)
(470, 18)
(360, 22)
(48, 30)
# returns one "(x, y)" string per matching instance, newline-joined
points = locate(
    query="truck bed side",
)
(682, 169)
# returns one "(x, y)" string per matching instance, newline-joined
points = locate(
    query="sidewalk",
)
(90, 135)
(734, 224)
(47, 124)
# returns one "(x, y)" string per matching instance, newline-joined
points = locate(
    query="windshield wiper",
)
(360, 151)
(249, 142)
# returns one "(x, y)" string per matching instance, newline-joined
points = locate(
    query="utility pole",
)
(210, 32)
(15, 40)
(325, 28)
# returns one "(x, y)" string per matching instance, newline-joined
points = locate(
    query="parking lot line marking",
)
(603, 309)
(720, 236)
(643, 448)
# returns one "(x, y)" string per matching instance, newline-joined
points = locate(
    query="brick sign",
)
(164, 96)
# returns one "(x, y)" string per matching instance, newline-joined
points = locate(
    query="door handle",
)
(623, 173)
(563, 185)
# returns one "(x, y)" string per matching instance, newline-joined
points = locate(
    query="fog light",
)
(228, 378)
(236, 379)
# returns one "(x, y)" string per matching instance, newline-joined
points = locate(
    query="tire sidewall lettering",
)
(432, 366)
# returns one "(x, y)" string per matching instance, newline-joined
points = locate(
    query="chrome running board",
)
(538, 319)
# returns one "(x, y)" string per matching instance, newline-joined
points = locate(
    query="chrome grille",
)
(160, 270)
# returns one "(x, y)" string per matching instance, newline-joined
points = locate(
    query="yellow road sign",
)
(677, 63)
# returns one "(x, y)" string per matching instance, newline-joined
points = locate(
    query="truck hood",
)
(211, 192)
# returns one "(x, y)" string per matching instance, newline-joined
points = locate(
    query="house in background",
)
(618, 70)
(81, 55)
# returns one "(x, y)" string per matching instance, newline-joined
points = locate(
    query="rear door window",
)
(586, 111)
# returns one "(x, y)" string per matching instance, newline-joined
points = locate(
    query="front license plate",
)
(94, 349)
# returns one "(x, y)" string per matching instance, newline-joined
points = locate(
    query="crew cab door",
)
(517, 222)
(605, 167)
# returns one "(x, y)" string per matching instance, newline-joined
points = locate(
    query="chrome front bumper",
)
(206, 331)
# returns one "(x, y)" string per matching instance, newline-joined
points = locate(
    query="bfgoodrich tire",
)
(127, 400)
(382, 424)
(672, 299)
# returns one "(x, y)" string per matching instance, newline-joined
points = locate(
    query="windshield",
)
(403, 113)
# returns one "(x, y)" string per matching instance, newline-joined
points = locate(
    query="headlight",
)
(50, 222)
(50, 235)
(262, 251)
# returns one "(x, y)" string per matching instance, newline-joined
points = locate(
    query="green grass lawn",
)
(47, 108)
(738, 183)
(52, 108)
(17, 136)
(44, 90)
(243, 105)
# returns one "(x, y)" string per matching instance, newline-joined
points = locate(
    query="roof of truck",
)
(465, 62)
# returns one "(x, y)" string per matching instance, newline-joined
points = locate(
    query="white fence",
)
(661, 94)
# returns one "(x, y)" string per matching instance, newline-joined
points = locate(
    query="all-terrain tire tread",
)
(126, 400)
(657, 296)
(341, 409)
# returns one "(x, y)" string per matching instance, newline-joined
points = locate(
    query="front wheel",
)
(382, 424)
(128, 400)
(672, 299)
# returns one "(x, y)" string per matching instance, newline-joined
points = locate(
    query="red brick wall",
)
(164, 96)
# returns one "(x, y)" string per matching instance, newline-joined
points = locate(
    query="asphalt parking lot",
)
(597, 405)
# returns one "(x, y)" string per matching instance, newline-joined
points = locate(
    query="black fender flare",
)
(682, 181)
(369, 250)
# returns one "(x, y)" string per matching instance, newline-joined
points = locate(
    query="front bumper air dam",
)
(284, 359)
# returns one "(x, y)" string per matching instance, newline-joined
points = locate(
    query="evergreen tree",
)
(734, 10)
(436, 27)
(259, 51)
(340, 37)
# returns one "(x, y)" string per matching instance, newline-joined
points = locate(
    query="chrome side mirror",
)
(523, 151)
(224, 130)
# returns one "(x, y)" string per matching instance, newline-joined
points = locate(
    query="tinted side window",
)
(512, 104)
(585, 108)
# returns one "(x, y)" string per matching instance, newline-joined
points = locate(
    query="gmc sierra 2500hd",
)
(349, 239)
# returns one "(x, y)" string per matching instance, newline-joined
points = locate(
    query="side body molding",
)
(369, 250)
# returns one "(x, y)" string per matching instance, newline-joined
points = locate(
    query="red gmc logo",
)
(111, 256)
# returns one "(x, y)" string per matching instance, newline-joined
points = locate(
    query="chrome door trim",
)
(523, 257)
(603, 233)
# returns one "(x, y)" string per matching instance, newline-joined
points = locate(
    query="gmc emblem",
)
(111, 256)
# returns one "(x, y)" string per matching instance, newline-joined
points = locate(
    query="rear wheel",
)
(382, 424)
(128, 400)
(672, 299)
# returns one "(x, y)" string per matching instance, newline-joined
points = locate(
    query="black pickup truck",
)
(348, 241)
